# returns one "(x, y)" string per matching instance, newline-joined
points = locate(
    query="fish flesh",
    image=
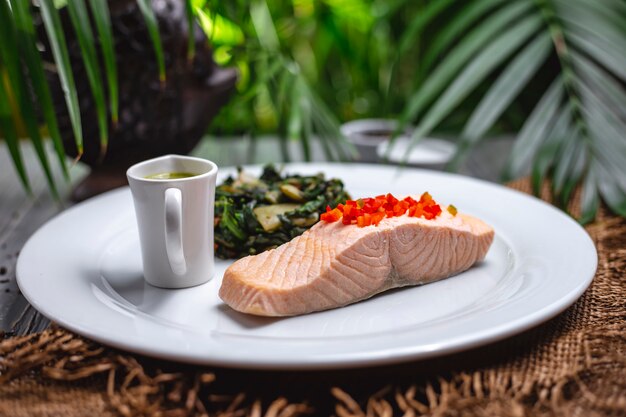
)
(332, 265)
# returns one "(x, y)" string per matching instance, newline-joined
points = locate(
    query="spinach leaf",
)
(292, 204)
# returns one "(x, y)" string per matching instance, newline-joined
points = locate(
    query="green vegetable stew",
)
(256, 214)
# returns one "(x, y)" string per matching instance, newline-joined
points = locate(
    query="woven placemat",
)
(573, 365)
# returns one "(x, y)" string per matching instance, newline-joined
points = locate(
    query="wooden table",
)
(21, 215)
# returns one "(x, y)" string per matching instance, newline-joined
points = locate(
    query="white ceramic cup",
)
(175, 219)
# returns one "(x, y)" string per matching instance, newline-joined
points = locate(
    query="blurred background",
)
(112, 83)
(363, 59)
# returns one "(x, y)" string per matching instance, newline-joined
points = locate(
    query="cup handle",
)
(174, 230)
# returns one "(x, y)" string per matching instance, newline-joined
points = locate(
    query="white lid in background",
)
(426, 152)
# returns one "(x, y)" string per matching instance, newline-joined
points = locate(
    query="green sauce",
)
(170, 175)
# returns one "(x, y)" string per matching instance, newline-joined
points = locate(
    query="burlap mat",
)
(573, 365)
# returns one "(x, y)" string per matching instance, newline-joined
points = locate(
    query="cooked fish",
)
(333, 265)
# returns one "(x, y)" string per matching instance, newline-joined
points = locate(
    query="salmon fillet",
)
(332, 265)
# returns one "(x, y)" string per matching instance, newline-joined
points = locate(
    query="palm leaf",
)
(411, 33)
(294, 125)
(606, 128)
(548, 148)
(607, 119)
(54, 30)
(611, 192)
(582, 21)
(283, 100)
(536, 129)
(264, 25)
(590, 199)
(595, 11)
(7, 129)
(593, 146)
(569, 167)
(284, 87)
(155, 37)
(191, 41)
(578, 141)
(340, 38)
(9, 75)
(458, 57)
(475, 72)
(27, 41)
(545, 157)
(100, 13)
(307, 112)
(454, 28)
(265, 76)
(602, 51)
(303, 107)
(503, 92)
(608, 144)
(220, 30)
(22, 37)
(80, 21)
(326, 125)
(602, 83)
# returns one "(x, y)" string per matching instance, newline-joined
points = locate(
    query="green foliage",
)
(20, 33)
(10, 136)
(23, 78)
(153, 30)
(326, 45)
(100, 13)
(52, 24)
(191, 42)
(280, 86)
(82, 27)
(574, 135)
(552, 70)
(436, 64)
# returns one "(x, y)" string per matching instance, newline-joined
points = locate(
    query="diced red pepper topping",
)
(331, 215)
(371, 211)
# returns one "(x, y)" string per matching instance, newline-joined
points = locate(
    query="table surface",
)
(21, 215)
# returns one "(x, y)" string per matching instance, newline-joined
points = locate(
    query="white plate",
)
(83, 270)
